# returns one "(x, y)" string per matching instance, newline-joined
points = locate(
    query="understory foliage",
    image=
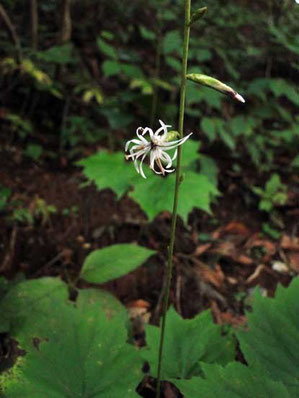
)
(73, 93)
(80, 348)
(79, 92)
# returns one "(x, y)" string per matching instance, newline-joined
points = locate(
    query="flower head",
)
(157, 147)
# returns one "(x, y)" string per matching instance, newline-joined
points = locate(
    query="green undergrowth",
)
(80, 348)
(156, 194)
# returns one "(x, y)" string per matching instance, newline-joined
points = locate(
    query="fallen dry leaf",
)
(214, 276)
(227, 317)
(294, 260)
(225, 248)
(290, 243)
(202, 248)
(138, 304)
(236, 227)
(231, 280)
(243, 259)
(228, 249)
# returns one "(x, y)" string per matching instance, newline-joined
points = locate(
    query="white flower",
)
(156, 147)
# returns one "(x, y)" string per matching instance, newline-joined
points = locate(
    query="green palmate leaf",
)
(273, 338)
(85, 355)
(27, 306)
(217, 85)
(109, 170)
(156, 194)
(114, 261)
(187, 343)
(190, 155)
(233, 381)
(271, 348)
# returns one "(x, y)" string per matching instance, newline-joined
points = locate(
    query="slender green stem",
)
(176, 190)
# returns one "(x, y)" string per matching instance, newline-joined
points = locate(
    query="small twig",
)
(66, 22)
(34, 24)
(10, 251)
(11, 31)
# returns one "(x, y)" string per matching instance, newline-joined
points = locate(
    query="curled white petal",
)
(175, 143)
(160, 160)
(140, 166)
(174, 155)
(148, 130)
(162, 128)
(166, 158)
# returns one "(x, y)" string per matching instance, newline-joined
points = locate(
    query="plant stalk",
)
(176, 190)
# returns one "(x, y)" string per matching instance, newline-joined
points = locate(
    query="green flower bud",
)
(215, 84)
(197, 15)
(172, 135)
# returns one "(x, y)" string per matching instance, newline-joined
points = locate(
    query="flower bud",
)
(172, 135)
(215, 84)
(197, 15)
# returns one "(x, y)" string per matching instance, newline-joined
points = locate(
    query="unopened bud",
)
(215, 84)
(197, 15)
(172, 135)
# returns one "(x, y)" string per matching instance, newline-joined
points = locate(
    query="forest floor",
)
(218, 259)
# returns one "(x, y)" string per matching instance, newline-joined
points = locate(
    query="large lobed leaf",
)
(109, 170)
(26, 309)
(155, 194)
(233, 381)
(82, 352)
(113, 261)
(271, 349)
(273, 338)
(187, 342)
